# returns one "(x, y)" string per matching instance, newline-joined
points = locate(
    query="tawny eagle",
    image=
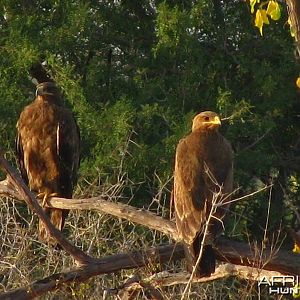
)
(47, 148)
(202, 186)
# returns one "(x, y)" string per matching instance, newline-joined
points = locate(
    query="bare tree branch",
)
(238, 253)
(119, 210)
(165, 278)
(129, 290)
(255, 142)
(235, 252)
(105, 265)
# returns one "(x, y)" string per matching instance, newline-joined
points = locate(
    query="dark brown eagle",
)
(202, 179)
(47, 148)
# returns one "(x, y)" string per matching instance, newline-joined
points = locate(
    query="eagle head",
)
(47, 88)
(206, 120)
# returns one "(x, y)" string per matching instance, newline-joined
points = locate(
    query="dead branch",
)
(120, 210)
(105, 265)
(15, 180)
(231, 250)
(255, 142)
(238, 253)
(165, 278)
(222, 271)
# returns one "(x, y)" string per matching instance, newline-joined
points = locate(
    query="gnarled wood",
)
(233, 251)
(119, 210)
(165, 278)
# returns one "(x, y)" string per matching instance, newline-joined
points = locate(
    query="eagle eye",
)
(206, 118)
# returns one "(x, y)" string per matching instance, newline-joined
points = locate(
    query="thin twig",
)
(255, 142)
(246, 196)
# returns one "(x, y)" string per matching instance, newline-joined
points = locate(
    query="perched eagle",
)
(47, 148)
(202, 177)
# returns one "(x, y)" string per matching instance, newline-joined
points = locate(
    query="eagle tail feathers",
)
(207, 263)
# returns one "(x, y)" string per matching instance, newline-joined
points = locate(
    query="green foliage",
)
(171, 27)
(108, 148)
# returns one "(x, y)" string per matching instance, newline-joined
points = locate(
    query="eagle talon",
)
(44, 197)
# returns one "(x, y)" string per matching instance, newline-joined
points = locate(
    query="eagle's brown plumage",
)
(203, 164)
(47, 148)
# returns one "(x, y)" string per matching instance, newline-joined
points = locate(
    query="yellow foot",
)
(45, 196)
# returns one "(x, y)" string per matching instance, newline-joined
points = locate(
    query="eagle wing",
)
(198, 165)
(189, 192)
(20, 157)
(225, 177)
(68, 151)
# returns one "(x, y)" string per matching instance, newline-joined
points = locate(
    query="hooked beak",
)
(215, 121)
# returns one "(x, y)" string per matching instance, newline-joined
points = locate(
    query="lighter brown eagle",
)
(202, 180)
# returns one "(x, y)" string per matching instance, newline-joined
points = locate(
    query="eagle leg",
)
(56, 216)
(44, 196)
